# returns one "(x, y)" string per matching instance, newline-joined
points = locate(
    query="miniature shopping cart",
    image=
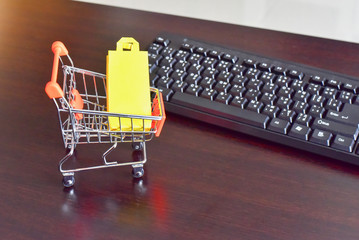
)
(81, 105)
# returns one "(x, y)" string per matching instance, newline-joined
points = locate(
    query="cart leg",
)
(107, 153)
(138, 171)
(68, 180)
(139, 156)
(137, 146)
(68, 177)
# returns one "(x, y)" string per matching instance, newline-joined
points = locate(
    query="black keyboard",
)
(292, 104)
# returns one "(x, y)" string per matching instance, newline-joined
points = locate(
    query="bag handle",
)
(127, 44)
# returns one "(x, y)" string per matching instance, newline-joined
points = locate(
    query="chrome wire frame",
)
(93, 127)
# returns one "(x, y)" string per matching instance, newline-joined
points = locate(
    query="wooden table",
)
(201, 181)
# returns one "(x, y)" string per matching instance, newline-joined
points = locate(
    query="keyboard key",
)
(270, 88)
(316, 111)
(155, 48)
(298, 85)
(187, 47)
(346, 116)
(271, 111)
(201, 51)
(208, 82)
(179, 74)
(223, 66)
(209, 93)
(253, 94)
(285, 92)
(195, 68)
(162, 41)
(165, 82)
(223, 97)
(283, 81)
(229, 58)
(343, 143)
(317, 80)
(267, 77)
(249, 63)
(222, 86)
(304, 119)
(264, 67)
(334, 83)
(314, 89)
(193, 78)
(300, 107)
(278, 70)
(214, 54)
(239, 102)
(194, 90)
(279, 125)
(335, 127)
(255, 106)
(349, 87)
(346, 97)
(287, 115)
(302, 96)
(179, 86)
(209, 62)
(210, 72)
(252, 73)
(237, 90)
(330, 93)
(240, 80)
(225, 76)
(321, 137)
(268, 98)
(195, 58)
(284, 102)
(254, 84)
(300, 131)
(182, 55)
(333, 104)
(317, 100)
(166, 93)
(295, 74)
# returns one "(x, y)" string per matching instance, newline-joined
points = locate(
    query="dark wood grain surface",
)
(201, 181)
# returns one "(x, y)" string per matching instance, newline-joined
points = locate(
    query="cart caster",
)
(137, 145)
(138, 172)
(68, 181)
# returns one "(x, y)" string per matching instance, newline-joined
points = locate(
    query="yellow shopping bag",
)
(128, 87)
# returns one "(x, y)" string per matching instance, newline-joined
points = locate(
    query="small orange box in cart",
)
(128, 86)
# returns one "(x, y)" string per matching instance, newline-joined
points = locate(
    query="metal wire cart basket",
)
(81, 105)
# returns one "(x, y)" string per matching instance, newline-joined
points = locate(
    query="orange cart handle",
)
(162, 121)
(52, 88)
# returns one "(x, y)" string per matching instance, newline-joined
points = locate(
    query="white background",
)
(333, 19)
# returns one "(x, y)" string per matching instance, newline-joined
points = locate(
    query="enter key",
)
(349, 115)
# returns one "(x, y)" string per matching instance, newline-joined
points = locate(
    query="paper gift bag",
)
(128, 87)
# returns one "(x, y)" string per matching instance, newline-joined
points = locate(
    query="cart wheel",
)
(137, 145)
(138, 172)
(68, 181)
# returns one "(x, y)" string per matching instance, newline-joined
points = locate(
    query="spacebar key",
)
(220, 109)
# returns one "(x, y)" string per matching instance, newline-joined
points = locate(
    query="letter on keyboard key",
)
(279, 125)
(220, 110)
(336, 128)
(343, 143)
(321, 137)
